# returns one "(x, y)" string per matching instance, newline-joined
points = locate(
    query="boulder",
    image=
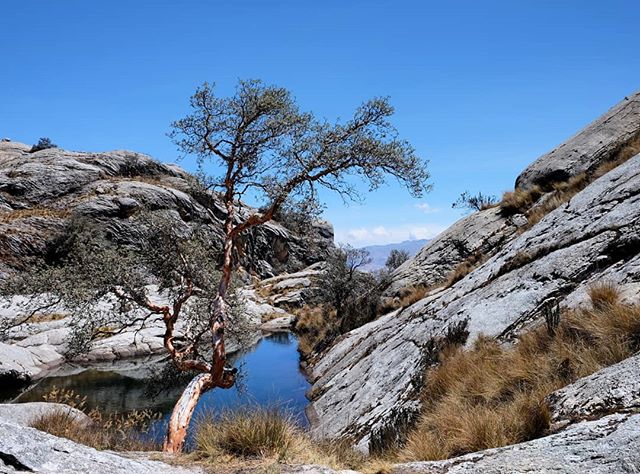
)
(612, 389)
(371, 376)
(24, 414)
(610, 445)
(29, 450)
(592, 146)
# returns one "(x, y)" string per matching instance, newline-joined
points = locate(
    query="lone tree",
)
(396, 258)
(264, 147)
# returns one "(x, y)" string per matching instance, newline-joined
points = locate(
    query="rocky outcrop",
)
(479, 233)
(612, 389)
(41, 191)
(370, 378)
(28, 450)
(592, 146)
(610, 445)
(24, 414)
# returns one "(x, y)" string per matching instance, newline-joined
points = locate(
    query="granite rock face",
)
(610, 445)
(478, 233)
(369, 378)
(41, 191)
(612, 389)
(588, 149)
(28, 450)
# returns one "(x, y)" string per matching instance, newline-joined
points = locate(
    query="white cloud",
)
(427, 208)
(362, 236)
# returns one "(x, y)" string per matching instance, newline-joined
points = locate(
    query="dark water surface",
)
(270, 376)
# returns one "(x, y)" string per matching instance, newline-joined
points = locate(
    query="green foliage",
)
(396, 258)
(106, 286)
(268, 148)
(42, 144)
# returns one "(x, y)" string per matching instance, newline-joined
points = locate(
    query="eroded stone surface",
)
(587, 149)
(612, 389)
(369, 377)
(610, 445)
(28, 450)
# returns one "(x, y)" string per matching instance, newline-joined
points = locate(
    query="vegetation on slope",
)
(491, 395)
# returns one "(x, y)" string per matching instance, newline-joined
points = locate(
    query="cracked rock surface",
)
(610, 445)
(587, 149)
(29, 450)
(613, 389)
(368, 378)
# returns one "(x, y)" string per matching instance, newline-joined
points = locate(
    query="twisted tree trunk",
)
(217, 374)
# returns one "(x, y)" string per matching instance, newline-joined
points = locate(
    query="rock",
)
(610, 445)
(41, 191)
(612, 389)
(29, 450)
(282, 323)
(24, 414)
(371, 375)
(17, 364)
(588, 149)
(482, 232)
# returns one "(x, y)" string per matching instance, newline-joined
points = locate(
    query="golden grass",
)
(519, 201)
(267, 437)
(491, 396)
(464, 268)
(7, 217)
(313, 325)
(122, 432)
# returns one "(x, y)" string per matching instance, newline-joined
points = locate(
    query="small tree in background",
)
(477, 202)
(396, 258)
(42, 144)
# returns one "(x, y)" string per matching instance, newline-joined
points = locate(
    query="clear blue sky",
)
(481, 88)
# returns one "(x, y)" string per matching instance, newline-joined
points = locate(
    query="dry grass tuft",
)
(464, 268)
(522, 201)
(7, 217)
(519, 201)
(314, 326)
(491, 396)
(247, 433)
(121, 432)
(268, 436)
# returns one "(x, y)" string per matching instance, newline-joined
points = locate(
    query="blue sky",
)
(481, 88)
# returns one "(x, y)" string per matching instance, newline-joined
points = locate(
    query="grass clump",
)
(114, 431)
(491, 396)
(266, 437)
(247, 433)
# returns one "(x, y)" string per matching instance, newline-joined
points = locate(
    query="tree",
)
(477, 202)
(264, 147)
(396, 258)
(42, 144)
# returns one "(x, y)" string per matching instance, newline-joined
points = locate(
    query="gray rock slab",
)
(610, 445)
(589, 148)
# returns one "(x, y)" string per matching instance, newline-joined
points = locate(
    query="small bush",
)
(491, 396)
(475, 202)
(42, 144)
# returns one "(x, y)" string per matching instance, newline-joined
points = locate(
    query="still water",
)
(270, 371)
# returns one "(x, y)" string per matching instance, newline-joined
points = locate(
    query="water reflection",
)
(271, 376)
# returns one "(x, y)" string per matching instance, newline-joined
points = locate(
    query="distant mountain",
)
(379, 253)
